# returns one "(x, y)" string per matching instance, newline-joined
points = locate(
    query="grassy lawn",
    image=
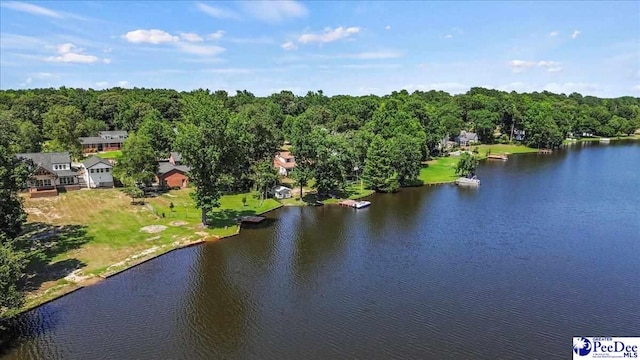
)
(98, 232)
(439, 170)
(110, 154)
(504, 149)
(613, 138)
(353, 191)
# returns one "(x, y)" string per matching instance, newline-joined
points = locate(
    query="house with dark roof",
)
(97, 172)
(51, 172)
(105, 141)
(466, 138)
(172, 173)
(284, 161)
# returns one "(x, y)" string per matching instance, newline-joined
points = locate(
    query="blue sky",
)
(340, 47)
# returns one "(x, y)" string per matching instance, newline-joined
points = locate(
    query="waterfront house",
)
(518, 135)
(466, 138)
(282, 192)
(97, 172)
(284, 161)
(52, 172)
(105, 141)
(172, 173)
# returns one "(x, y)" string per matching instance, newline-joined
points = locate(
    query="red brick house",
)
(105, 141)
(172, 174)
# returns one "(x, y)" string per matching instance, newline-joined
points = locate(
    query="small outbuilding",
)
(282, 192)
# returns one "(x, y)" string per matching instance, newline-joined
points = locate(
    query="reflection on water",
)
(544, 250)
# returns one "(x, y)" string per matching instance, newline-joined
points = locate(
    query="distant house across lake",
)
(284, 162)
(52, 172)
(105, 141)
(466, 138)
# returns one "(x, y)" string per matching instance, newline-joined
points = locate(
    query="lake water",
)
(548, 248)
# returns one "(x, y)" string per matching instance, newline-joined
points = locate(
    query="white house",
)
(284, 162)
(97, 172)
(282, 192)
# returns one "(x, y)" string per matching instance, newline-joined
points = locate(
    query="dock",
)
(497, 156)
(355, 204)
(545, 151)
(251, 219)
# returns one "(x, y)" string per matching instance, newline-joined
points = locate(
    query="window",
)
(66, 181)
(92, 171)
(106, 170)
(43, 182)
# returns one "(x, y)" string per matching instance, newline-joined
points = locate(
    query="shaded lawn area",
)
(224, 224)
(353, 191)
(504, 149)
(439, 170)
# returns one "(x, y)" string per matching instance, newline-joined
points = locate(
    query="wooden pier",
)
(545, 151)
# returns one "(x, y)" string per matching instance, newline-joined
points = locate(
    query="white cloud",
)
(151, 36)
(31, 9)
(328, 35)
(73, 58)
(218, 13)
(275, 11)
(216, 35)
(194, 49)
(106, 61)
(263, 40)
(186, 42)
(553, 34)
(191, 37)
(102, 84)
(388, 27)
(123, 83)
(448, 36)
(107, 50)
(521, 65)
(288, 45)
(69, 53)
(575, 34)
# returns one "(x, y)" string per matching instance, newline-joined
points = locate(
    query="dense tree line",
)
(230, 141)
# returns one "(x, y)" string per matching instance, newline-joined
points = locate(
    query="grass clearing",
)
(87, 233)
(109, 154)
(484, 149)
(440, 170)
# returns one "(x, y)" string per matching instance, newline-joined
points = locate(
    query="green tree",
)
(64, 125)
(201, 140)
(332, 165)
(302, 175)
(159, 133)
(467, 165)
(406, 155)
(378, 174)
(11, 266)
(138, 164)
(13, 176)
(265, 177)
